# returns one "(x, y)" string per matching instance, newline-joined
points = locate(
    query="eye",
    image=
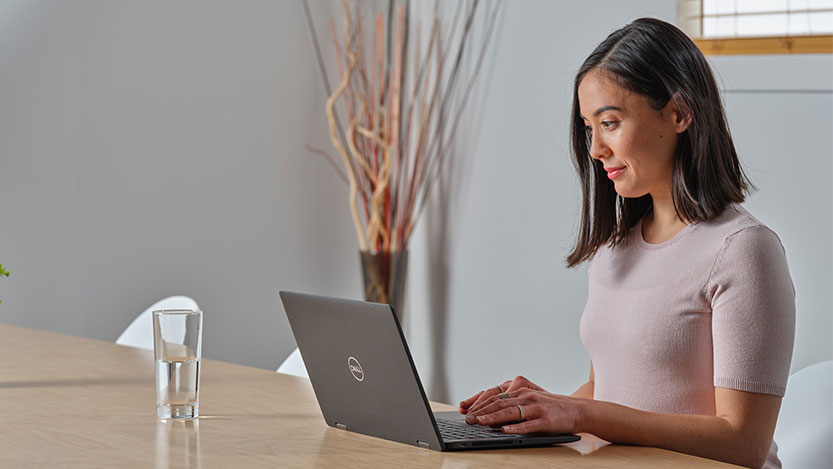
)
(609, 124)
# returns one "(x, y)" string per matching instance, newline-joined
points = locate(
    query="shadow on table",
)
(69, 382)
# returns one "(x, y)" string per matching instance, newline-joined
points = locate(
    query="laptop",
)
(365, 381)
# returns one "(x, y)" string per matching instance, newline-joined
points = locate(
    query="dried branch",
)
(329, 159)
(320, 60)
(397, 139)
(332, 119)
(460, 110)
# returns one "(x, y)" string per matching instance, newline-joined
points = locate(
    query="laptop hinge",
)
(423, 444)
(342, 426)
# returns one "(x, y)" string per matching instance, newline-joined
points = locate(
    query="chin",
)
(629, 192)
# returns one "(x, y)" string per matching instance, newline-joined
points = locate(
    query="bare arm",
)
(739, 433)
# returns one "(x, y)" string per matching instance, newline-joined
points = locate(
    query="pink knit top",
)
(712, 307)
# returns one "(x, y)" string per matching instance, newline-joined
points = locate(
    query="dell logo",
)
(355, 368)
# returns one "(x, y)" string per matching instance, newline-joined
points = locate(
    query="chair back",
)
(804, 431)
(294, 365)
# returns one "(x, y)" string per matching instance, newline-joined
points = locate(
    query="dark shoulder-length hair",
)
(657, 60)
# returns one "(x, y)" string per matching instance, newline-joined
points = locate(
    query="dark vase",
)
(384, 278)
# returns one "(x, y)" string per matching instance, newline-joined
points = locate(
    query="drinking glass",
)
(177, 346)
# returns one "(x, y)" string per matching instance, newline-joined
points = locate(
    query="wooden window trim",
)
(767, 45)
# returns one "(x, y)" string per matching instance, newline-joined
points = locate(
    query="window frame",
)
(816, 44)
(689, 18)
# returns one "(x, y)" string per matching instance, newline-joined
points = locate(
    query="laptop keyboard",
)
(459, 430)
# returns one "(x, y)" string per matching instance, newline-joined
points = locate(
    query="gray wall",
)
(153, 148)
(781, 114)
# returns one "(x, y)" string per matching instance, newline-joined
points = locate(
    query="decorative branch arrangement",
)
(402, 108)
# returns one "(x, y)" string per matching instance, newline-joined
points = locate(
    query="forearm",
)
(705, 436)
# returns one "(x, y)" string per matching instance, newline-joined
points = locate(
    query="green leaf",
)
(3, 271)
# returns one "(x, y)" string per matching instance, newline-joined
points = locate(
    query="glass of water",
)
(177, 345)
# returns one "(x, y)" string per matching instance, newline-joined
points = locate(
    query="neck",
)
(663, 214)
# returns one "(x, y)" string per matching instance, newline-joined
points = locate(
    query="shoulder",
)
(734, 219)
(734, 228)
(750, 251)
(744, 234)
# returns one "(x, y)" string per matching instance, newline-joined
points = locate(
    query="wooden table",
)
(73, 402)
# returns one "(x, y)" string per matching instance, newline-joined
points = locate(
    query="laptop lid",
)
(365, 380)
(361, 369)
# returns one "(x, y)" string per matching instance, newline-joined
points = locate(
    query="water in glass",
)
(177, 387)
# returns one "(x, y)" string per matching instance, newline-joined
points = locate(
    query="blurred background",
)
(152, 148)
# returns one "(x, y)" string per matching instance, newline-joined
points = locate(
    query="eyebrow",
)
(601, 110)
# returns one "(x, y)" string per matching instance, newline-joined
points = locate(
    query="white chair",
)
(805, 425)
(140, 332)
(294, 365)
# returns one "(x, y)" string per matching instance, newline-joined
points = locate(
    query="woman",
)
(689, 321)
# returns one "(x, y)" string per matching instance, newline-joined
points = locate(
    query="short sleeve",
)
(753, 313)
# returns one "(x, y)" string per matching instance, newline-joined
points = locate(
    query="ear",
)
(681, 113)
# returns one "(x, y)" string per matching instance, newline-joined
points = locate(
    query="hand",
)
(512, 385)
(542, 412)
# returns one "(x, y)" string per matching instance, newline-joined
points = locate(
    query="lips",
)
(613, 172)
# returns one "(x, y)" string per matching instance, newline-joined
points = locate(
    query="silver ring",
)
(504, 395)
(523, 414)
(499, 388)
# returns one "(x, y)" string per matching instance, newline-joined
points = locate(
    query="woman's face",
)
(633, 141)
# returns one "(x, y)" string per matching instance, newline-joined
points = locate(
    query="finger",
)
(530, 426)
(491, 408)
(518, 382)
(466, 404)
(480, 403)
(501, 413)
(478, 407)
(486, 394)
(478, 399)
(522, 382)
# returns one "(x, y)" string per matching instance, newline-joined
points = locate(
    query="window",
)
(758, 26)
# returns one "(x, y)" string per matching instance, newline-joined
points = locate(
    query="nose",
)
(598, 148)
